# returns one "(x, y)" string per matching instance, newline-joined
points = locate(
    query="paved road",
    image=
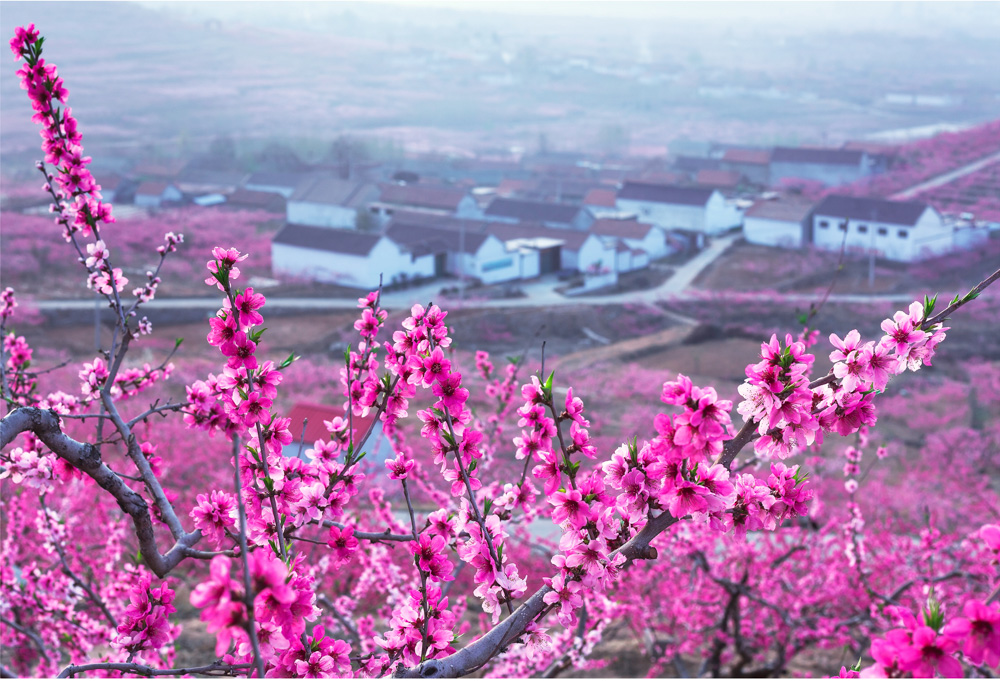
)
(946, 178)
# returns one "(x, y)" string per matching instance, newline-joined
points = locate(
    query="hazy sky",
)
(909, 17)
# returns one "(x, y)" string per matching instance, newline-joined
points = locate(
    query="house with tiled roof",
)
(309, 425)
(151, 194)
(283, 183)
(600, 197)
(462, 248)
(829, 166)
(345, 257)
(636, 235)
(695, 209)
(779, 222)
(577, 250)
(246, 199)
(557, 215)
(725, 180)
(328, 201)
(903, 231)
(753, 164)
(436, 199)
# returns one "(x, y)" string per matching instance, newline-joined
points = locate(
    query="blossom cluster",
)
(146, 624)
(790, 415)
(282, 602)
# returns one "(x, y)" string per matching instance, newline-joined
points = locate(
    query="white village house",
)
(324, 201)
(636, 235)
(556, 215)
(463, 248)
(903, 231)
(155, 194)
(778, 222)
(307, 426)
(829, 166)
(424, 198)
(670, 207)
(345, 257)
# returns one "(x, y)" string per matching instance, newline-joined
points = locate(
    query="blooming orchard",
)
(302, 566)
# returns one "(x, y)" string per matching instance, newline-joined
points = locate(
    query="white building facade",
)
(676, 207)
(903, 231)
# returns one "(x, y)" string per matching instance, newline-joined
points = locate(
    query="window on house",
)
(903, 234)
(824, 224)
(882, 231)
(863, 229)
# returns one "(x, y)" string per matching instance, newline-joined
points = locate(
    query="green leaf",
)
(803, 319)
(347, 355)
(255, 335)
(514, 359)
(933, 617)
(548, 383)
(487, 505)
(177, 343)
(288, 361)
(929, 304)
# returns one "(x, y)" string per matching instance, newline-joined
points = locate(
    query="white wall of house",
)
(530, 262)
(967, 238)
(469, 209)
(593, 251)
(654, 243)
(623, 261)
(321, 215)
(714, 217)
(272, 188)
(770, 232)
(491, 263)
(902, 243)
(171, 193)
(357, 271)
(828, 174)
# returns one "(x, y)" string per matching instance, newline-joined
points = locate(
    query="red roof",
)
(718, 178)
(510, 187)
(600, 197)
(151, 189)
(756, 156)
(316, 415)
(660, 177)
(423, 196)
(781, 210)
(626, 229)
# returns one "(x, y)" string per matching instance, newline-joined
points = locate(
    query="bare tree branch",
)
(214, 669)
(86, 457)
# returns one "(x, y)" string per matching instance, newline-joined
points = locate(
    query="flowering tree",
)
(300, 566)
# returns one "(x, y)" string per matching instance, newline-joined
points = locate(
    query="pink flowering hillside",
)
(832, 504)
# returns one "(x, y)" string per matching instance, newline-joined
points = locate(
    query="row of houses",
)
(902, 231)
(418, 246)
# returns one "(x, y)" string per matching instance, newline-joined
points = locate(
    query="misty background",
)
(165, 79)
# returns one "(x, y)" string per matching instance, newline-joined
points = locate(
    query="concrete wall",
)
(357, 271)
(768, 232)
(827, 174)
(926, 238)
(715, 217)
(321, 215)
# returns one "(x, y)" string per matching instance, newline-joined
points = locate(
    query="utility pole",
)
(461, 257)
